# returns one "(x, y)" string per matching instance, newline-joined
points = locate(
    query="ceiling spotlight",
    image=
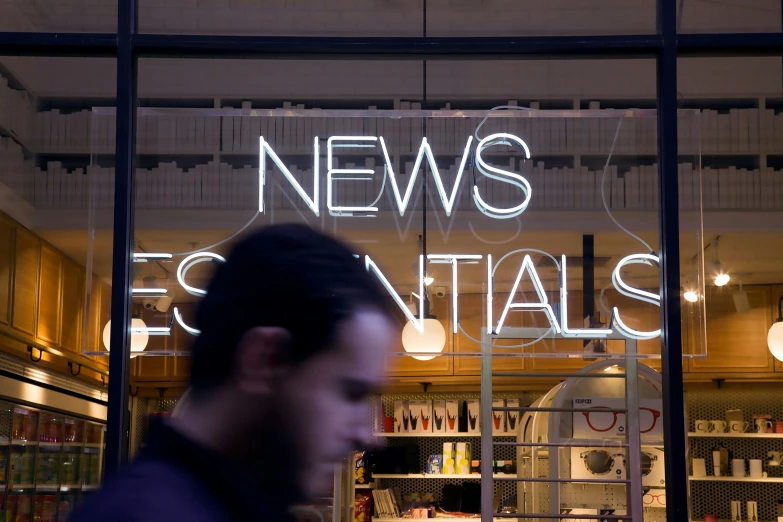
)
(690, 296)
(720, 277)
(428, 280)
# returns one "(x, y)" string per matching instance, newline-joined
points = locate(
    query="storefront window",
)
(42, 16)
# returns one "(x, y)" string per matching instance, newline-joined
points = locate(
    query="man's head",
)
(293, 337)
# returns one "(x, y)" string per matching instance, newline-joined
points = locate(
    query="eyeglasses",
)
(601, 462)
(603, 421)
(651, 500)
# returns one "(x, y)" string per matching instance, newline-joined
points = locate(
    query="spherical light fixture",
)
(431, 340)
(139, 336)
(690, 296)
(775, 335)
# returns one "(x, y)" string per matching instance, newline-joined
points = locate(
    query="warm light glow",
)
(139, 336)
(722, 279)
(432, 339)
(775, 340)
(690, 296)
(428, 280)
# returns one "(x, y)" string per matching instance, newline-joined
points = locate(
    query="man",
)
(294, 332)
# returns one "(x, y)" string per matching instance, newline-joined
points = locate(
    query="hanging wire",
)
(603, 193)
(504, 346)
(229, 238)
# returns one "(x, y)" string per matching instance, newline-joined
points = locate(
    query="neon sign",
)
(527, 268)
(402, 199)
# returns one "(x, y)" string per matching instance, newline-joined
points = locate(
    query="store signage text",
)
(557, 321)
(402, 195)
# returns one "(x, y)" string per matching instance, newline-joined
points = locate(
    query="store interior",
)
(591, 130)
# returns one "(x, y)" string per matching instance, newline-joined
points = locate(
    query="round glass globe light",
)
(690, 296)
(775, 340)
(431, 340)
(139, 339)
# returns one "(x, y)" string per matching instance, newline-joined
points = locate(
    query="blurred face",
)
(324, 400)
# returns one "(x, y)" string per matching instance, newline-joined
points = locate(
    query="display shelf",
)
(371, 485)
(436, 435)
(762, 480)
(50, 445)
(90, 488)
(70, 487)
(22, 486)
(736, 435)
(73, 444)
(445, 519)
(20, 442)
(47, 488)
(92, 445)
(416, 476)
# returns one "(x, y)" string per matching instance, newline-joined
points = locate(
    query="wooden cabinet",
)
(25, 289)
(736, 342)
(71, 324)
(49, 298)
(6, 268)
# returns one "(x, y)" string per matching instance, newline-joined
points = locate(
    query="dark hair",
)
(289, 276)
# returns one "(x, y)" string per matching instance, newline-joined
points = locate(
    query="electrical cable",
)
(499, 107)
(229, 238)
(603, 193)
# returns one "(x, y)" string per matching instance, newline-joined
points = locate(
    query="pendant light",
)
(775, 335)
(432, 337)
(139, 336)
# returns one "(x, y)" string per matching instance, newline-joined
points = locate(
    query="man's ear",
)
(262, 355)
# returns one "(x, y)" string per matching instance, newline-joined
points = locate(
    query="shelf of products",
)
(438, 435)
(736, 435)
(365, 486)
(761, 480)
(416, 476)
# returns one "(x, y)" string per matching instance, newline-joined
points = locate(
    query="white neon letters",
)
(501, 175)
(634, 293)
(541, 306)
(417, 322)
(453, 259)
(333, 174)
(265, 150)
(424, 149)
(578, 332)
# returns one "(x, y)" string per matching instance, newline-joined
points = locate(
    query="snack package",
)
(513, 416)
(435, 464)
(462, 458)
(448, 467)
(474, 417)
(360, 468)
(439, 416)
(401, 417)
(425, 416)
(452, 417)
(498, 417)
(362, 507)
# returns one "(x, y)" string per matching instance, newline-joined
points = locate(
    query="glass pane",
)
(707, 16)
(51, 180)
(400, 18)
(50, 16)
(561, 17)
(742, 175)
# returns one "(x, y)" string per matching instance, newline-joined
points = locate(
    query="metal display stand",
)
(554, 404)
